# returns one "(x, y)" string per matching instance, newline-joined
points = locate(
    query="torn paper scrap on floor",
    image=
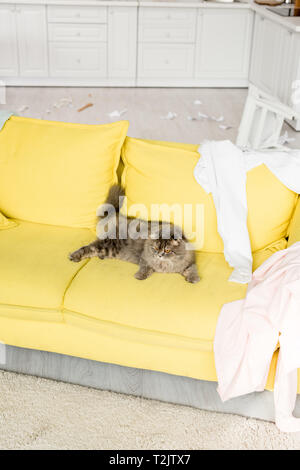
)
(117, 113)
(217, 119)
(203, 116)
(169, 116)
(23, 108)
(197, 102)
(63, 102)
(224, 127)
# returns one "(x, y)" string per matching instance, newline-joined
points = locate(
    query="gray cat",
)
(159, 246)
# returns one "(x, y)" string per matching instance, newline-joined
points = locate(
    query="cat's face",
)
(167, 249)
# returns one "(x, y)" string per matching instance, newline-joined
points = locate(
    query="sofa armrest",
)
(294, 227)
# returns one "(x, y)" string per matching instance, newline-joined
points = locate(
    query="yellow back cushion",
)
(57, 173)
(162, 172)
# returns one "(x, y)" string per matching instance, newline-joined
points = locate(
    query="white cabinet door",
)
(122, 39)
(71, 59)
(32, 40)
(8, 42)
(165, 60)
(267, 45)
(223, 43)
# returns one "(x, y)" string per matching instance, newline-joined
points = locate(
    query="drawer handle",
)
(78, 15)
(78, 34)
(78, 61)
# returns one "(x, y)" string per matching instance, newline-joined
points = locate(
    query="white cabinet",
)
(32, 40)
(223, 43)
(166, 43)
(265, 54)
(77, 41)
(84, 43)
(8, 42)
(23, 41)
(122, 41)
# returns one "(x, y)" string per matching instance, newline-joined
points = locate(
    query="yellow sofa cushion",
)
(6, 223)
(163, 304)
(294, 227)
(34, 269)
(57, 173)
(162, 172)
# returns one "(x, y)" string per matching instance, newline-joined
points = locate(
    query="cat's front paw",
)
(140, 275)
(193, 279)
(76, 256)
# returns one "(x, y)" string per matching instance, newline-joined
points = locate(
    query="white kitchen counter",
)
(192, 4)
(83, 3)
(292, 23)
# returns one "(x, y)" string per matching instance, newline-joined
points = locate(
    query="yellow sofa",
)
(97, 310)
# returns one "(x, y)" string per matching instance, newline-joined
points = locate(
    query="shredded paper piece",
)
(23, 108)
(217, 119)
(117, 113)
(202, 115)
(63, 102)
(197, 102)
(169, 116)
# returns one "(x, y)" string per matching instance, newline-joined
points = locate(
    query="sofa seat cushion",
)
(34, 269)
(164, 304)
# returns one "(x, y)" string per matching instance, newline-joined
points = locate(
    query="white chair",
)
(262, 120)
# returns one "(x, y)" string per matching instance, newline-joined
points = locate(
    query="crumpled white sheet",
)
(249, 330)
(222, 171)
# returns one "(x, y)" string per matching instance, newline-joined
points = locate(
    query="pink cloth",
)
(248, 332)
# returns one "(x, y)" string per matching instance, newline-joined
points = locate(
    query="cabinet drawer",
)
(182, 34)
(77, 32)
(168, 16)
(166, 60)
(78, 60)
(78, 14)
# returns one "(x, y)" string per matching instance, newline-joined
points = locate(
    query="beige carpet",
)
(42, 414)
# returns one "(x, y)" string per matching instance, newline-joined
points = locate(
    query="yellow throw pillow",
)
(6, 223)
(162, 172)
(57, 173)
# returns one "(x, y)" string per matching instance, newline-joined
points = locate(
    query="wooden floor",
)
(144, 107)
